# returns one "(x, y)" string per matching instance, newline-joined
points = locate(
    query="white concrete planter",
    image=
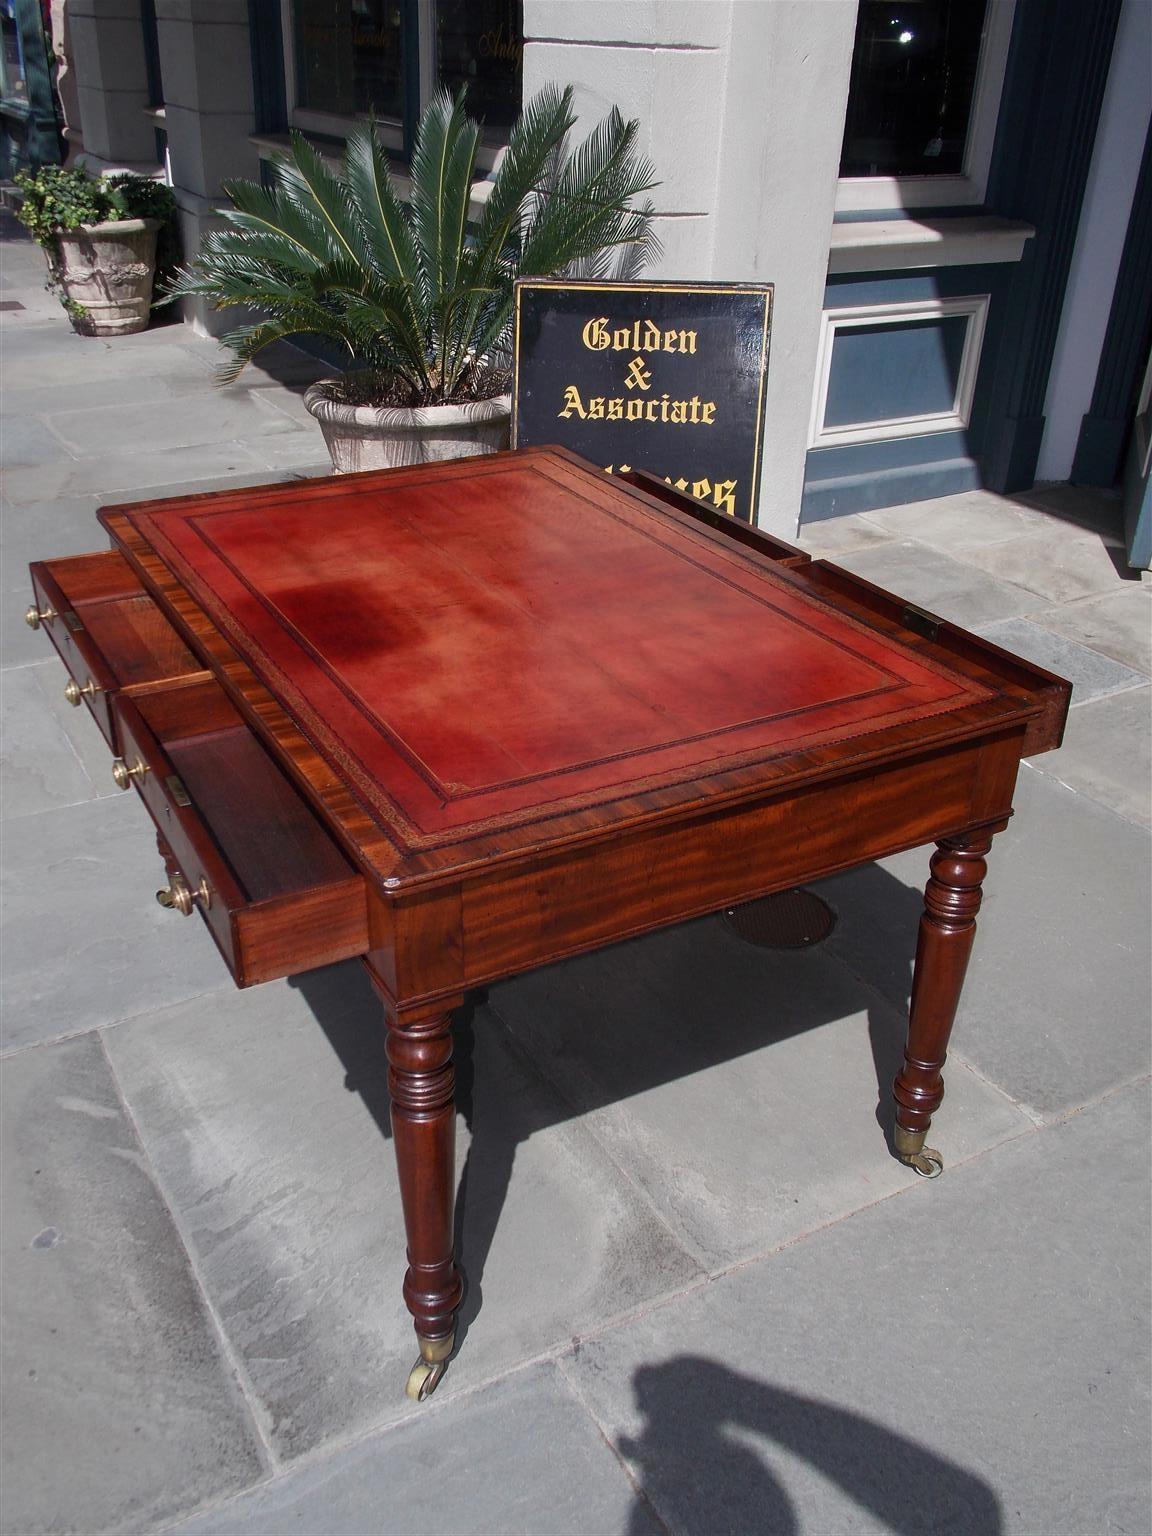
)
(108, 269)
(386, 437)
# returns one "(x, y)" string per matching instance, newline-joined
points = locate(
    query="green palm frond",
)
(442, 164)
(413, 289)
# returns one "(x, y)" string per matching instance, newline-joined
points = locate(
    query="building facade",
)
(951, 197)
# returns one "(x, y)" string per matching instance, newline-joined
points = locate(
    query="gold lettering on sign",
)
(637, 377)
(694, 412)
(721, 493)
(640, 336)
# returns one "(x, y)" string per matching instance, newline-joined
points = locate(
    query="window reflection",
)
(913, 82)
(13, 86)
(348, 56)
(479, 44)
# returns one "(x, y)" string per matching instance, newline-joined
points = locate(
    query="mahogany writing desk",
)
(467, 718)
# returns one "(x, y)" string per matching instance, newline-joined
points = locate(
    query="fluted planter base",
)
(388, 437)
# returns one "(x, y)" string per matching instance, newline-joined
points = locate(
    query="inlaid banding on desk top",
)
(482, 645)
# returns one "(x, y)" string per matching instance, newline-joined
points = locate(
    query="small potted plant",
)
(99, 236)
(417, 292)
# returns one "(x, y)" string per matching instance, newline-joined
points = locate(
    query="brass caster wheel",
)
(424, 1378)
(910, 1149)
(927, 1163)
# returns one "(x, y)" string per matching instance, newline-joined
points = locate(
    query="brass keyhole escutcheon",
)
(74, 693)
(124, 774)
(35, 616)
(181, 898)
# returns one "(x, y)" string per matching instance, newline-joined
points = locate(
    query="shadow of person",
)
(695, 1461)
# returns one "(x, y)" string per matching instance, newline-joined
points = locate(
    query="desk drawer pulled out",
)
(277, 894)
(109, 633)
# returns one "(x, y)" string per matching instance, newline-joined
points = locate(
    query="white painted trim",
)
(974, 306)
(883, 245)
(878, 193)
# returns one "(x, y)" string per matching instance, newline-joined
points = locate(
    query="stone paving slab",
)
(79, 394)
(275, 1150)
(520, 1458)
(45, 355)
(42, 530)
(1091, 674)
(83, 938)
(1107, 754)
(133, 473)
(38, 761)
(190, 422)
(302, 451)
(741, 1087)
(834, 536)
(1059, 568)
(1119, 624)
(1079, 506)
(119, 1409)
(969, 1356)
(27, 443)
(1055, 1003)
(951, 588)
(84, 735)
(965, 521)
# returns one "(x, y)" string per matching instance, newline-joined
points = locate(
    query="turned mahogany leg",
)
(947, 928)
(420, 1082)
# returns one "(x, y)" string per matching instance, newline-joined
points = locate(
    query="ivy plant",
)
(55, 199)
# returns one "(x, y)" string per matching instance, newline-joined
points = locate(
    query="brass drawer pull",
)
(123, 774)
(35, 616)
(179, 897)
(74, 693)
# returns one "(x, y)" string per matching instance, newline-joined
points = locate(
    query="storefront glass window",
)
(12, 83)
(913, 82)
(479, 44)
(349, 60)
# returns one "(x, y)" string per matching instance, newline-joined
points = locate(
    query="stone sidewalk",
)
(702, 1296)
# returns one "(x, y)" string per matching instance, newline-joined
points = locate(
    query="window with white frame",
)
(924, 97)
(350, 59)
(897, 369)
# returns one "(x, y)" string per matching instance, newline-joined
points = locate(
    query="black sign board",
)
(667, 377)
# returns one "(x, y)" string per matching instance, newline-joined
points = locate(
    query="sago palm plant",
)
(419, 297)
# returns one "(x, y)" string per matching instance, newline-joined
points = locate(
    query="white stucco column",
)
(106, 43)
(206, 68)
(788, 67)
(741, 105)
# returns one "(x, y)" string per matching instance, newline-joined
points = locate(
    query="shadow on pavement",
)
(694, 1461)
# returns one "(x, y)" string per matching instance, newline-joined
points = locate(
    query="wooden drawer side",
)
(107, 631)
(276, 893)
(733, 528)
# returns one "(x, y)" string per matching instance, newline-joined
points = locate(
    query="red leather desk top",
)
(478, 644)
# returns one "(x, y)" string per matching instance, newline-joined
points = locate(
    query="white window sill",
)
(882, 245)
